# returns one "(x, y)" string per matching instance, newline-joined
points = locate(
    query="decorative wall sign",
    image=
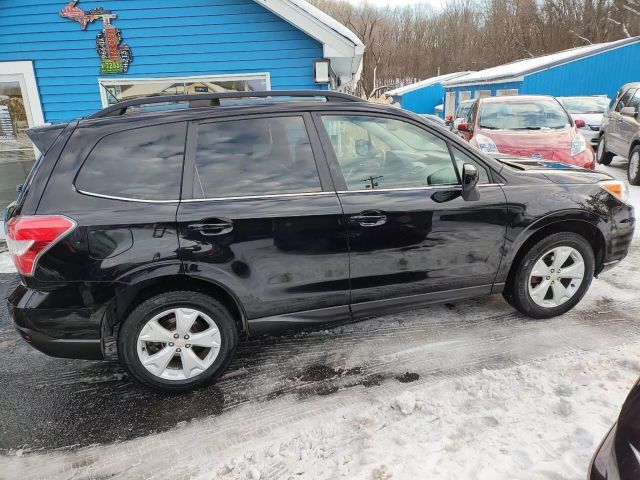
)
(114, 58)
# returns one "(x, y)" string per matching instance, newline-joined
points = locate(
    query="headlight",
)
(616, 188)
(578, 145)
(486, 144)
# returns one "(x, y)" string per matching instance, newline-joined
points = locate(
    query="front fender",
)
(519, 234)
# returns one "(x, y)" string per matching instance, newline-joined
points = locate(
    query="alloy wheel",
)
(178, 344)
(556, 277)
(600, 152)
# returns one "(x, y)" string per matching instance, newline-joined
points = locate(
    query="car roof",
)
(516, 98)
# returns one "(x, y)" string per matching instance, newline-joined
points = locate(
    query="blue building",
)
(62, 59)
(423, 96)
(599, 69)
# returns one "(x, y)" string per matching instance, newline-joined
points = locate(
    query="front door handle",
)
(214, 226)
(369, 218)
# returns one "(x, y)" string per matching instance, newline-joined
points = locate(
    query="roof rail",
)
(213, 99)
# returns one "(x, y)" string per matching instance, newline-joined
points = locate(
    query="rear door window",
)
(142, 164)
(255, 156)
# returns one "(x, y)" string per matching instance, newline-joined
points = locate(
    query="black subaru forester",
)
(157, 231)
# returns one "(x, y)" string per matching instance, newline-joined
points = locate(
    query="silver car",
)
(590, 110)
(620, 131)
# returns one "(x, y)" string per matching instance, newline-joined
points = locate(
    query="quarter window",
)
(143, 163)
(260, 156)
(462, 158)
(377, 152)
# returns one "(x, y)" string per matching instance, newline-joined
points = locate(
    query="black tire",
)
(135, 321)
(603, 157)
(633, 168)
(517, 292)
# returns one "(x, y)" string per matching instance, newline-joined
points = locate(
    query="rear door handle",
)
(369, 218)
(216, 226)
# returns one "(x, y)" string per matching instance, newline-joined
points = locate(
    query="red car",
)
(533, 126)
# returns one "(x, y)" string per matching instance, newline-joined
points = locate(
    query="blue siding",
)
(601, 74)
(423, 100)
(168, 38)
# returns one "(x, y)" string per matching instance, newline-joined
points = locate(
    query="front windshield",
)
(523, 115)
(585, 104)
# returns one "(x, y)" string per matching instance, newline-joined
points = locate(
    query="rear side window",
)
(142, 164)
(260, 156)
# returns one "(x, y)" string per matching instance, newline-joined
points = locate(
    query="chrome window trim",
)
(257, 197)
(433, 187)
(125, 199)
(281, 195)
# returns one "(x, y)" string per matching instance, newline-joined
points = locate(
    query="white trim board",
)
(23, 72)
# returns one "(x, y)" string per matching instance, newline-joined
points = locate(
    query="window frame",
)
(336, 171)
(189, 180)
(103, 82)
(131, 199)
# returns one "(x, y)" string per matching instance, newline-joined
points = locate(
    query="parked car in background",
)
(440, 122)
(461, 115)
(618, 456)
(159, 237)
(620, 131)
(533, 126)
(589, 109)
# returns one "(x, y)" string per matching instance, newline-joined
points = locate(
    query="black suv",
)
(158, 231)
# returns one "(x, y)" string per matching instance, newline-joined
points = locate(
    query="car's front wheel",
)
(603, 157)
(177, 341)
(633, 169)
(552, 276)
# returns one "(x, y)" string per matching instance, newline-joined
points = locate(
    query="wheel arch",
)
(133, 294)
(586, 227)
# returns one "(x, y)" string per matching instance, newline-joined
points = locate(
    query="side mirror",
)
(448, 117)
(579, 123)
(470, 178)
(628, 111)
(463, 127)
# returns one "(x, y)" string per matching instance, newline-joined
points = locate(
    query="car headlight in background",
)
(578, 145)
(486, 144)
(616, 188)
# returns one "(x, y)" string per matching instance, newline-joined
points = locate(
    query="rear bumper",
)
(59, 331)
(60, 347)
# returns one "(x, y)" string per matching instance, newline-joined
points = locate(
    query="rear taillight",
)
(28, 237)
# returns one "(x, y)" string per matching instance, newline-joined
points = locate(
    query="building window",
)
(117, 90)
(483, 93)
(466, 95)
(506, 92)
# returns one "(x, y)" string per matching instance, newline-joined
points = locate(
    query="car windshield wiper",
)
(489, 127)
(528, 128)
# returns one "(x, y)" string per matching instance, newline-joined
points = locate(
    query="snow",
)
(328, 21)
(6, 264)
(424, 83)
(528, 65)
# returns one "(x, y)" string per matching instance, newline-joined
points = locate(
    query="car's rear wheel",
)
(602, 155)
(633, 169)
(552, 276)
(177, 341)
